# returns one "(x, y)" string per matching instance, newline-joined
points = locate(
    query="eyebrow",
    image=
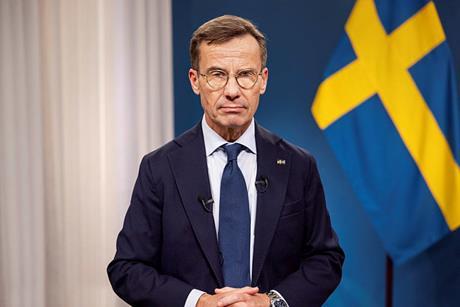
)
(213, 68)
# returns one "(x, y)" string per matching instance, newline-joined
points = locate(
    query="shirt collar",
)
(212, 140)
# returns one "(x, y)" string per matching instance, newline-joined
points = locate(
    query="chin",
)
(233, 120)
(238, 125)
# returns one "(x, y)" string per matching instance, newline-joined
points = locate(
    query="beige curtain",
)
(85, 91)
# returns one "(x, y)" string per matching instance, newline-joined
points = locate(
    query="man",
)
(227, 214)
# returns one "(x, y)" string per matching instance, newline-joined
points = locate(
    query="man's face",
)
(231, 107)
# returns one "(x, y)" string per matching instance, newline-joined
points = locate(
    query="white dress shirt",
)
(217, 159)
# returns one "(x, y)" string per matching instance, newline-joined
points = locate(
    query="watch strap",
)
(276, 300)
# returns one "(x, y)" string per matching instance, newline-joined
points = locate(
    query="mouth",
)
(232, 108)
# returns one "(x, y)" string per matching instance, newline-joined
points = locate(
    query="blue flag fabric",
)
(389, 108)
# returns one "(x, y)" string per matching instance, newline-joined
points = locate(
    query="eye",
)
(217, 74)
(246, 74)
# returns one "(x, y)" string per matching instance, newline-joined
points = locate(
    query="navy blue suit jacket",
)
(168, 244)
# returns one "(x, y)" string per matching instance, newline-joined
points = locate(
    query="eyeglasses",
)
(218, 79)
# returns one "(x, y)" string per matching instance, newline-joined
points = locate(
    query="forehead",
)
(239, 52)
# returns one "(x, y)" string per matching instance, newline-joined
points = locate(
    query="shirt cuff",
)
(193, 298)
(279, 296)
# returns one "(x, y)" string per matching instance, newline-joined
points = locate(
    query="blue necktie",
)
(234, 222)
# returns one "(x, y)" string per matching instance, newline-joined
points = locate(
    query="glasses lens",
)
(247, 79)
(217, 79)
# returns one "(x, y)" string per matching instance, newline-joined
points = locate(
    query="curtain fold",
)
(85, 91)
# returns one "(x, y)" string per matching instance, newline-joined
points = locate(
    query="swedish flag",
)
(390, 110)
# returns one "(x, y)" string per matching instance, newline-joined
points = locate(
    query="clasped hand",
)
(234, 297)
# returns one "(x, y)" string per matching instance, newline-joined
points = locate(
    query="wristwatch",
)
(276, 300)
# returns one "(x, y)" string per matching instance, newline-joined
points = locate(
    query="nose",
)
(232, 89)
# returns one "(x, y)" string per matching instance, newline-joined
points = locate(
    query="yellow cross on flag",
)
(386, 114)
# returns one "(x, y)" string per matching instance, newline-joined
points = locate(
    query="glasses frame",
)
(228, 78)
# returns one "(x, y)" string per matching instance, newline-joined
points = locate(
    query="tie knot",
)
(233, 150)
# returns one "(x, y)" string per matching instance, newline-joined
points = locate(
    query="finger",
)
(248, 290)
(232, 298)
(223, 290)
(252, 300)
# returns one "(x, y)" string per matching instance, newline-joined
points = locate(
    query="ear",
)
(194, 80)
(263, 86)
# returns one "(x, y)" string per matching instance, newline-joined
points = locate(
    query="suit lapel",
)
(189, 167)
(273, 163)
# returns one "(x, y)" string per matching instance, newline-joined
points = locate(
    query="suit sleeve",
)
(321, 267)
(135, 272)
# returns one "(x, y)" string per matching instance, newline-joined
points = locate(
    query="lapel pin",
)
(281, 162)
